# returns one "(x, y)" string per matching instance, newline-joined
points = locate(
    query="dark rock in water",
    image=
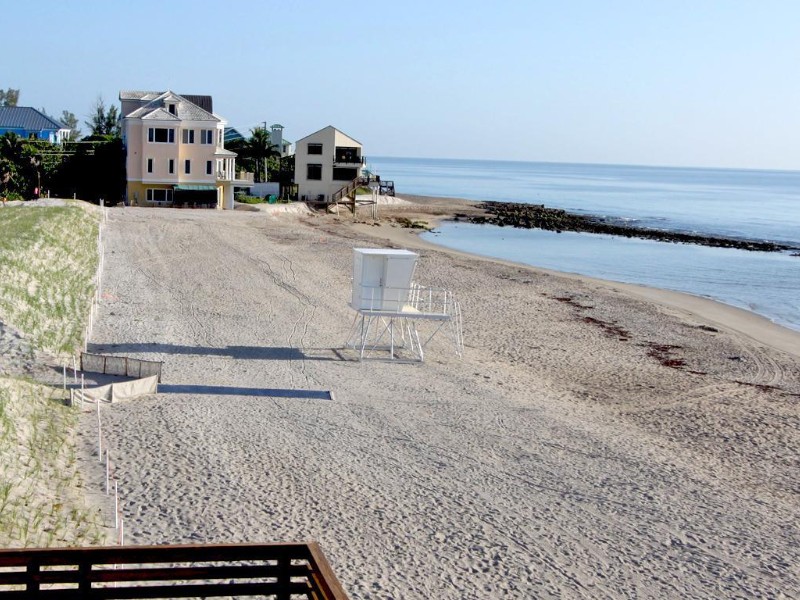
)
(533, 216)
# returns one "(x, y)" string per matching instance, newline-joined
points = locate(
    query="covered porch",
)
(196, 196)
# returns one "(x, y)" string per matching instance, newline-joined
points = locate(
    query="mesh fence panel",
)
(116, 365)
(120, 365)
(148, 368)
(93, 363)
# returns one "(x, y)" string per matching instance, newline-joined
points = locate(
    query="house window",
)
(187, 166)
(161, 135)
(314, 172)
(149, 165)
(209, 168)
(315, 148)
(155, 195)
(173, 109)
(206, 136)
(171, 166)
(340, 174)
(188, 136)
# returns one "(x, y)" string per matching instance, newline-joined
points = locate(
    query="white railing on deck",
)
(421, 300)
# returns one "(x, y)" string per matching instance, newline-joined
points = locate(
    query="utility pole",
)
(265, 158)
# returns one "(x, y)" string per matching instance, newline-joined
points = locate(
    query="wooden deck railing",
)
(279, 571)
(348, 191)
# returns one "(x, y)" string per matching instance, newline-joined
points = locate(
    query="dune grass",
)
(41, 497)
(48, 260)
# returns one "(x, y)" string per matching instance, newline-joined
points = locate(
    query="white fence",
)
(115, 392)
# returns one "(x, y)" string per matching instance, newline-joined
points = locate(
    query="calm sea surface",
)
(759, 205)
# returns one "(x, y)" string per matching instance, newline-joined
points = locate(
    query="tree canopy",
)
(9, 97)
(91, 169)
(71, 121)
(257, 154)
(104, 122)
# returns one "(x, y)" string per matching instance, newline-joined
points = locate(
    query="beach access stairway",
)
(277, 571)
(347, 194)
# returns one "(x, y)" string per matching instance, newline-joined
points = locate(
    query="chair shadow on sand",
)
(236, 352)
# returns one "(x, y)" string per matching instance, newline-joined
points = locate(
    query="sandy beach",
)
(596, 440)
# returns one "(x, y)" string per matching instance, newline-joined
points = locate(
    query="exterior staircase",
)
(347, 194)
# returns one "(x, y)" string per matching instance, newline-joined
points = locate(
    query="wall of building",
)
(43, 134)
(137, 192)
(140, 150)
(330, 138)
(198, 153)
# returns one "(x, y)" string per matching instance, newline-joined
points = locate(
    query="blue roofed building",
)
(232, 134)
(30, 123)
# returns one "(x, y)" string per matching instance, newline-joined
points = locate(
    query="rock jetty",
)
(533, 216)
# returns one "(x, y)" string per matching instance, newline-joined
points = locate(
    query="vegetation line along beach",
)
(48, 259)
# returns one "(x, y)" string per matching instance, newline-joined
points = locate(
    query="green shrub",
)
(249, 199)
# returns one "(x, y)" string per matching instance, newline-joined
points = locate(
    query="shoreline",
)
(731, 318)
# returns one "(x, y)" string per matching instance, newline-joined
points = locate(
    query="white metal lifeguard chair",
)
(390, 307)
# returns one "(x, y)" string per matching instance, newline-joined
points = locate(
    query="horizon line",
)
(603, 164)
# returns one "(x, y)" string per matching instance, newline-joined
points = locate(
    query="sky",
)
(655, 82)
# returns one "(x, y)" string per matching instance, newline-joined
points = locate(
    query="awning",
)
(195, 188)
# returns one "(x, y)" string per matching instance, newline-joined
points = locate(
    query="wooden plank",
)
(87, 567)
(166, 591)
(325, 577)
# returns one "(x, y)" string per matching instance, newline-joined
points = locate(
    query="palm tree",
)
(260, 149)
(11, 147)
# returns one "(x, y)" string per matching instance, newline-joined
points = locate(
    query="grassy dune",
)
(48, 259)
(41, 498)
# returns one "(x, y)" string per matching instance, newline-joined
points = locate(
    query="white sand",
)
(559, 458)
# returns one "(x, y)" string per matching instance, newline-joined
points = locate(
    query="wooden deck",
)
(277, 571)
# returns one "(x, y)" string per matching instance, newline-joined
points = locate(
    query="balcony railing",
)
(240, 176)
(345, 159)
(278, 571)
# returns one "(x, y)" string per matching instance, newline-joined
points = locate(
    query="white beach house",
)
(325, 162)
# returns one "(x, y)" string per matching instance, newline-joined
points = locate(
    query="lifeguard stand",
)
(390, 307)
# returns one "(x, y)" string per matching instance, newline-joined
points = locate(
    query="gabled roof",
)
(130, 95)
(24, 117)
(159, 114)
(204, 102)
(231, 133)
(334, 129)
(155, 108)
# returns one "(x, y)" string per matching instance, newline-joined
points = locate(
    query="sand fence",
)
(120, 365)
(115, 392)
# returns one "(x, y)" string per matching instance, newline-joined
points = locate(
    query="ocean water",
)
(748, 204)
